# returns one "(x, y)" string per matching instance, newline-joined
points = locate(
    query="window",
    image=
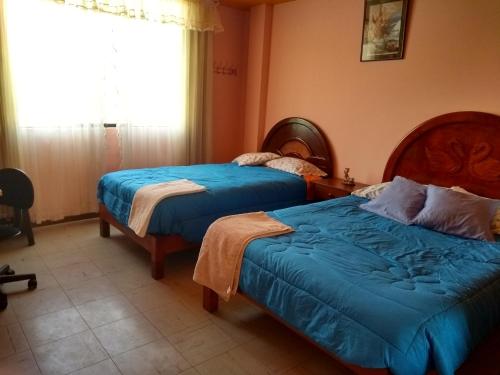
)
(72, 67)
(74, 70)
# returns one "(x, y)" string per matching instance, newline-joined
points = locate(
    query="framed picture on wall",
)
(384, 30)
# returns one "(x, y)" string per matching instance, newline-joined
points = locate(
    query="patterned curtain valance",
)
(199, 15)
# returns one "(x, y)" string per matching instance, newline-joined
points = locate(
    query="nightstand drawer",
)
(327, 192)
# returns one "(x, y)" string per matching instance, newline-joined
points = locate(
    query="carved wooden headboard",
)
(300, 138)
(455, 149)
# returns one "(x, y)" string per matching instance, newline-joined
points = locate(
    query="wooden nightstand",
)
(328, 188)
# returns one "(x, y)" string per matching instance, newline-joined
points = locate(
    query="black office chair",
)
(17, 192)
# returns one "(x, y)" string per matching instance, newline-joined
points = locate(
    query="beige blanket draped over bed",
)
(221, 253)
(147, 198)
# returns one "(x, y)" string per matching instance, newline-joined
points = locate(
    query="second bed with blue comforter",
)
(374, 292)
(231, 189)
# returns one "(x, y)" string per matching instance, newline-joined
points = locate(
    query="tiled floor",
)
(98, 311)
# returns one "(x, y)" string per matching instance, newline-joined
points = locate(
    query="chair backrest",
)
(17, 189)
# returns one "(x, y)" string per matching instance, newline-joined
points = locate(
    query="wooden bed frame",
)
(455, 149)
(294, 136)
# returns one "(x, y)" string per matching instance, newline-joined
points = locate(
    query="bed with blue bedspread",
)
(378, 294)
(231, 189)
(374, 292)
(180, 222)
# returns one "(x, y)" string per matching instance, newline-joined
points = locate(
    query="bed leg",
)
(157, 263)
(210, 300)
(103, 228)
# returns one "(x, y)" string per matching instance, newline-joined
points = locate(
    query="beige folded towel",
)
(221, 253)
(147, 197)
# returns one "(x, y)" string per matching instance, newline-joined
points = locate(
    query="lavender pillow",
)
(456, 213)
(401, 200)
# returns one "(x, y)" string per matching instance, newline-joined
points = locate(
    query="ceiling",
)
(250, 3)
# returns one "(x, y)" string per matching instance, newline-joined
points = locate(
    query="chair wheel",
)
(3, 301)
(32, 284)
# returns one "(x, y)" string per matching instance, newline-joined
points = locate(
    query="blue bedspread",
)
(230, 190)
(374, 292)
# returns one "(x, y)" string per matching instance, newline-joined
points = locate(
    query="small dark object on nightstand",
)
(348, 181)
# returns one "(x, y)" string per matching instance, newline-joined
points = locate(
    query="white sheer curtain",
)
(64, 163)
(58, 85)
(73, 71)
(150, 110)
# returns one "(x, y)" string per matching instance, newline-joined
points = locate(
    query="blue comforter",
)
(230, 190)
(374, 292)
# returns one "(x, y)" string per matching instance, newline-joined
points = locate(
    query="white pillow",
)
(296, 166)
(372, 191)
(495, 223)
(255, 158)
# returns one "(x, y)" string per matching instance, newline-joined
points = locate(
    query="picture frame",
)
(384, 26)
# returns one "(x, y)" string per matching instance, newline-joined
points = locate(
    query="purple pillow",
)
(402, 200)
(463, 215)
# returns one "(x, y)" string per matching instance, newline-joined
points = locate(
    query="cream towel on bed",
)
(221, 253)
(147, 197)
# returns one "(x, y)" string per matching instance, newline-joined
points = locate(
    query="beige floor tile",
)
(193, 301)
(176, 318)
(7, 316)
(12, 340)
(127, 281)
(72, 275)
(92, 290)
(243, 324)
(53, 326)
(19, 364)
(158, 357)
(107, 246)
(200, 344)
(115, 264)
(320, 364)
(62, 259)
(96, 273)
(100, 248)
(83, 229)
(69, 354)
(54, 244)
(30, 263)
(277, 354)
(16, 250)
(107, 310)
(222, 365)
(126, 334)
(29, 304)
(191, 371)
(151, 297)
(106, 367)
(295, 371)
(318, 370)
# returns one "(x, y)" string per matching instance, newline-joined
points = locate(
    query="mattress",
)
(231, 189)
(374, 292)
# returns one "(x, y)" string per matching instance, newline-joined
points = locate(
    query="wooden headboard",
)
(302, 139)
(455, 149)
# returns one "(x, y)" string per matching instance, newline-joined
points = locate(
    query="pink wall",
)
(259, 47)
(452, 63)
(230, 48)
